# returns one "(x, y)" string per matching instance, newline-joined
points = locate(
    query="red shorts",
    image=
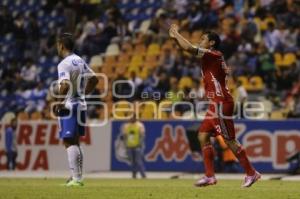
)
(218, 120)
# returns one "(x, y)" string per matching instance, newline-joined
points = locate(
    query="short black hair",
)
(67, 40)
(212, 36)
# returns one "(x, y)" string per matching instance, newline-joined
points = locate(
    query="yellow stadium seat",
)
(230, 83)
(278, 59)
(278, 115)
(112, 50)
(289, 59)
(151, 61)
(123, 104)
(144, 73)
(185, 82)
(121, 109)
(162, 113)
(124, 58)
(151, 64)
(36, 116)
(110, 59)
(140, 49)
(285, 60)
(146, 115)
(122, 65)
(243, 79)
(148, 110)
(133, 68)
(153, 49)
(151, 58)
(96, 61)
(23, 116)
(136, 60)
(127, 48)
(255, 84)
(108, 68)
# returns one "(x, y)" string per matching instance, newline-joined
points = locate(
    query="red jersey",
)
(214, 72)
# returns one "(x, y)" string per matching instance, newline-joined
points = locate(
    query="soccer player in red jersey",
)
(219, 117)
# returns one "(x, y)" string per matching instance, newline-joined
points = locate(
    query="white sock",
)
(80, 160)
(75, 159)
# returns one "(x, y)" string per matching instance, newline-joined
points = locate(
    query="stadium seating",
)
(139, 52)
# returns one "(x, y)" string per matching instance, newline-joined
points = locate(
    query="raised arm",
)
(184, 43)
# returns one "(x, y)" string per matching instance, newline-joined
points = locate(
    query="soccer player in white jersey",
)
(75, 80)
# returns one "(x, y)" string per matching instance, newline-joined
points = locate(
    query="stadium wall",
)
(268, 144)
(40, 149)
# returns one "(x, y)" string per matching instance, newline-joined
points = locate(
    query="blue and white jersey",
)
(74, 69)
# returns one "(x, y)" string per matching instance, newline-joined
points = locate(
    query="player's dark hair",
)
(212, 36)
(67, 40)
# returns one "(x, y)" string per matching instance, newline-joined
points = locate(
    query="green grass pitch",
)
(22, 188)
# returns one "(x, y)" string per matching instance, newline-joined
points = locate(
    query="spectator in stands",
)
(11, 144)
(121, 86)
(48, 46)
(266, 66)
(178, 67)
(151, 82)
(194, 16)
(134, 134)
(38, 95)
(272, 37)
(237, 63)
(291, 39)
(163, 84)
(187, 69)
(167, 61)
(136, 82)
(251, 62)
(29, 72)
(180, 8)
(24, 99)
(88, 40)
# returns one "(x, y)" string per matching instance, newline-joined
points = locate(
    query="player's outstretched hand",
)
(173, 30)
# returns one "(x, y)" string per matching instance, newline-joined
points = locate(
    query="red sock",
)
(244, 161)
(208, 159)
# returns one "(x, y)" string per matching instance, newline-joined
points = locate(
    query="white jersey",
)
(74, 69)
